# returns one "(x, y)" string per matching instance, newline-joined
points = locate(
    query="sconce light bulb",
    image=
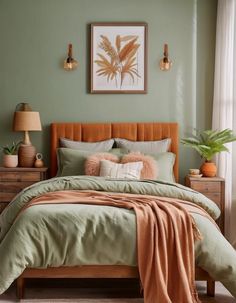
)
(70, 63)
(165, 65)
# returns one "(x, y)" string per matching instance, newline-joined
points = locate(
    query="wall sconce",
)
(70, 63)
(165, 63)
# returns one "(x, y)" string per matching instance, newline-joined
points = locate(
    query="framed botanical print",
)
(119, 58)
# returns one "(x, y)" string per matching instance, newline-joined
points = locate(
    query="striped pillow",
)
(130, 170)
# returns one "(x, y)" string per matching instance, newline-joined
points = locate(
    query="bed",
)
(99, 132)
(94, 133)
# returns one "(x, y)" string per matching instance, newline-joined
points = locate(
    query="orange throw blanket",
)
(165, 240)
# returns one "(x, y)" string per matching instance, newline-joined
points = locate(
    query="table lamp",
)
(26, 120)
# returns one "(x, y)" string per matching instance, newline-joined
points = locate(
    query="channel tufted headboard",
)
(92, 132)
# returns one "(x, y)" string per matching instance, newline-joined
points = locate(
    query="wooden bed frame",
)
(93, 133)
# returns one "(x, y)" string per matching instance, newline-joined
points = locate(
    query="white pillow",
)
(131, 170)
(147, 147)
(100, 146)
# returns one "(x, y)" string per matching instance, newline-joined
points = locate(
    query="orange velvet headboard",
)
(92, 132)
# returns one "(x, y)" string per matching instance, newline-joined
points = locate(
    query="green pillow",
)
(119, 152)
(71, 162)
(165, 163)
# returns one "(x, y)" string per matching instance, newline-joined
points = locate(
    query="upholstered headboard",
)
(93, 132)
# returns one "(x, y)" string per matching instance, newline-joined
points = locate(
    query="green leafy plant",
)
(210, 142)
(11, 149)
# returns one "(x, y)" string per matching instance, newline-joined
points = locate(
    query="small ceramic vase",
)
(39, 160)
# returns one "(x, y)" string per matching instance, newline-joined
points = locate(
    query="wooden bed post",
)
(211, 287)
(20, 287)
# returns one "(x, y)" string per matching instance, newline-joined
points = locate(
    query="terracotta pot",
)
(10, 160)
(208, 169)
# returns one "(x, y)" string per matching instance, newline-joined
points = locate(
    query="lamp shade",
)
(26, 121)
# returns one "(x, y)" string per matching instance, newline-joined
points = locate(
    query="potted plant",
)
(10, 156)
(208, 143)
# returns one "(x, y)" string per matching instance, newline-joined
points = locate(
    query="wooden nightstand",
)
(212, 188)
(13, 180)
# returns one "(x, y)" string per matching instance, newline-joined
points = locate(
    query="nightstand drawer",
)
(6, 197)
(206, 187)
(14, 187)
(216, 197)
(20, 176)
(214, 189)
(14, 180)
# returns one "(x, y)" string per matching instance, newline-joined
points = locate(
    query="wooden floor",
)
(222, 294)
(98, 293)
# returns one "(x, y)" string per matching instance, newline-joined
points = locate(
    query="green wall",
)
(34, 36)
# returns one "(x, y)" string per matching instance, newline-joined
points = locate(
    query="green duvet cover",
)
(77, 234)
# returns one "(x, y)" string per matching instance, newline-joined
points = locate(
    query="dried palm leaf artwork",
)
(118, 58)
(118, 61)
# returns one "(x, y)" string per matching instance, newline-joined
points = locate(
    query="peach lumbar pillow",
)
(92, 164)
(149, 170)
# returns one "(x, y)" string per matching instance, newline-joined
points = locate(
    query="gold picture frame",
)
(119, 58)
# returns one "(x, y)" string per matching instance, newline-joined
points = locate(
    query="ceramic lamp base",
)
(26, 155)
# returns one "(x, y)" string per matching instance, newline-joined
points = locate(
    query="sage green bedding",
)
(77, 234)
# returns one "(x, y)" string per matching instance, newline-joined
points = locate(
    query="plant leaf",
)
(127, 38)
(108, 69)
(210, 142)
(106, 45)
(118, 42)
(127, 49)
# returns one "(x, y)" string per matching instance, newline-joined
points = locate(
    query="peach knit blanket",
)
(165, 239)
